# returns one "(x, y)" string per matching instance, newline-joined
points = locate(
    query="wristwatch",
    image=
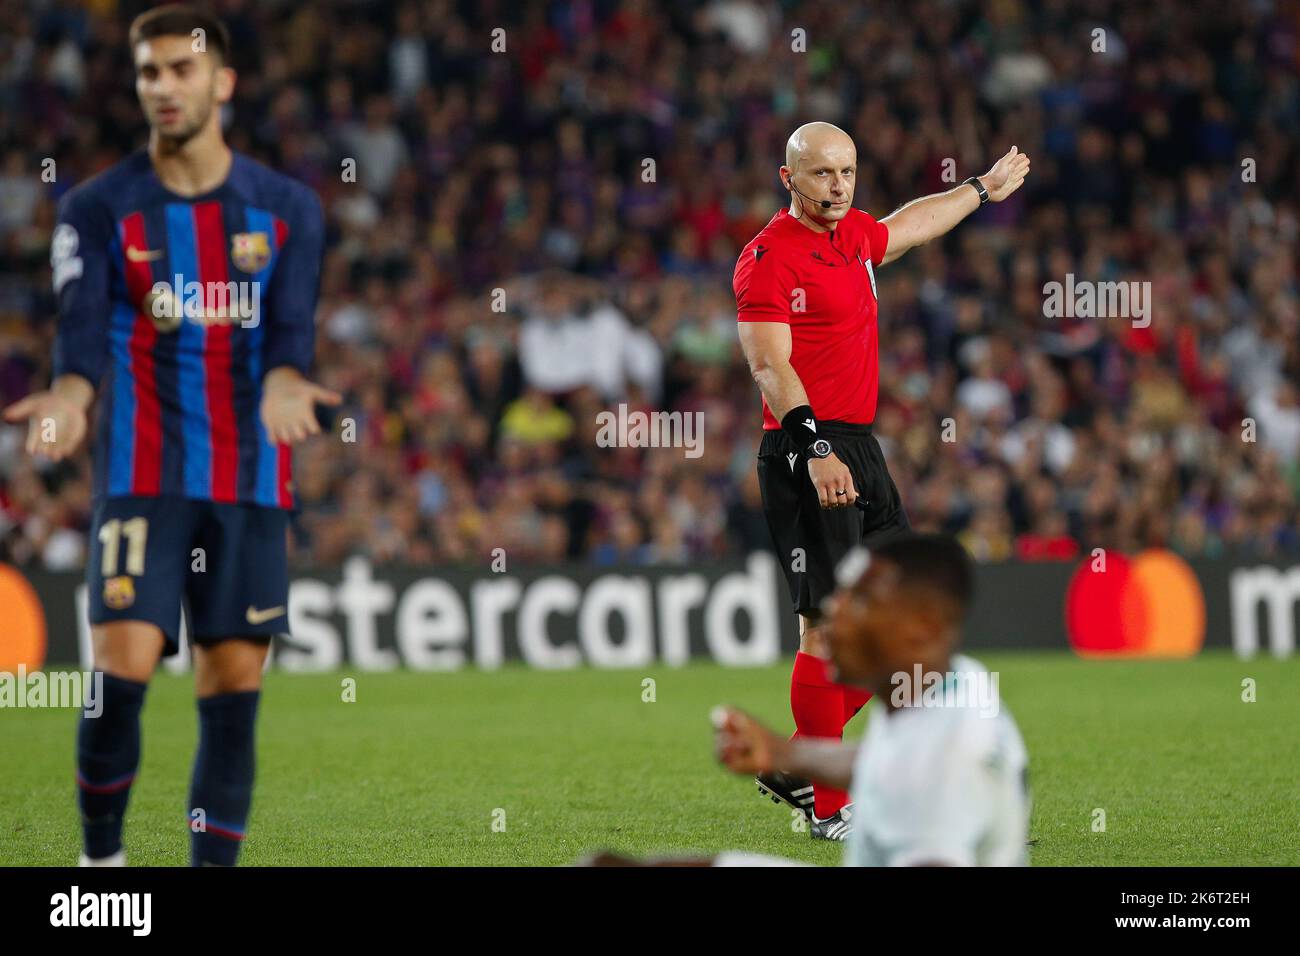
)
(979, 188)
(821, 448)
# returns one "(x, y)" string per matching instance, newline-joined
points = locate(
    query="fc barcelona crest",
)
(250, 251)
(119, 592)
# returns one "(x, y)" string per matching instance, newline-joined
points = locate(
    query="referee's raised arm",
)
(929, 217)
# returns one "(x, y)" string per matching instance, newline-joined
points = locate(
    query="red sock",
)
(818, 708)
(854, 701)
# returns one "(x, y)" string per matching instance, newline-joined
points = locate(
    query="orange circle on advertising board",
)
(1175, 626)
(22, 623)
(1149, 606)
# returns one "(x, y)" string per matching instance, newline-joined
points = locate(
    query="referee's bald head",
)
(813, 138)
(820, 170)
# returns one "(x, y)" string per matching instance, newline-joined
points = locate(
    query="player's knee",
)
(229, 667)
(127, 649)
(228, 680)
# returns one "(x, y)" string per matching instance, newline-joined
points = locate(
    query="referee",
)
(806, 295)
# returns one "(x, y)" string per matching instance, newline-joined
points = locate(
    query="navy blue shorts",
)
(226, 564)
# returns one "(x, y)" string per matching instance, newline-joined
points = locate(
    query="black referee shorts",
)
(811, 540)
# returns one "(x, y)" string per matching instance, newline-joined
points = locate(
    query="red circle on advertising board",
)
(1149, 606)
(1094, 618)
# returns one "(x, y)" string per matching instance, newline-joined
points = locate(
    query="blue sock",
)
(222, 787)
(108, 755)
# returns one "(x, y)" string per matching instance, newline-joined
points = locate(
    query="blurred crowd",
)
(545, 229)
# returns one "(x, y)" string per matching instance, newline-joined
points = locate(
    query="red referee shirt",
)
(822, 284)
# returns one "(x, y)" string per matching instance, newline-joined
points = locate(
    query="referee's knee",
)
(811, 640)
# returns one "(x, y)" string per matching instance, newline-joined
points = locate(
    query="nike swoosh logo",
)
(142, 255)
(254, 616)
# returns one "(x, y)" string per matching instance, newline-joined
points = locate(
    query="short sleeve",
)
(876, 239)
(764, 285)
(80, 266)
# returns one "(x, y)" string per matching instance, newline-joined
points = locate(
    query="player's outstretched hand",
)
(56, 423)
(289, 405)
(1006, 175)
(745, 746)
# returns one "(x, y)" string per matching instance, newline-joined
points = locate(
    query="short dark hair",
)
(180, 19)
(936, 562)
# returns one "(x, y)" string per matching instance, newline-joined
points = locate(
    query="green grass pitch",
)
(421, 766)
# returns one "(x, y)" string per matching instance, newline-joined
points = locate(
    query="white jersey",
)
(944, 782)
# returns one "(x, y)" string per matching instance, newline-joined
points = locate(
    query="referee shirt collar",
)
(794, 227)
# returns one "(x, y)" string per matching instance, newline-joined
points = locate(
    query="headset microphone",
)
(824, 203)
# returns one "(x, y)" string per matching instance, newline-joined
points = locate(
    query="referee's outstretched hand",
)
(1006, 175)
(834, 484)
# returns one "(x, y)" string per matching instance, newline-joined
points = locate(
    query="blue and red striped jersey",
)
(186, 303)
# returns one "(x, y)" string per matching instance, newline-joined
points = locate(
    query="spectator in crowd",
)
(519, 241)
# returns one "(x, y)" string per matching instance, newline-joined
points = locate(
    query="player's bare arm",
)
(289, 405)
(745, 746)
(929, 217)
(56, 417)
(767, 350)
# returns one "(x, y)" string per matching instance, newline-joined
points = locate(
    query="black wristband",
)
(979, 188)
(801, 426)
